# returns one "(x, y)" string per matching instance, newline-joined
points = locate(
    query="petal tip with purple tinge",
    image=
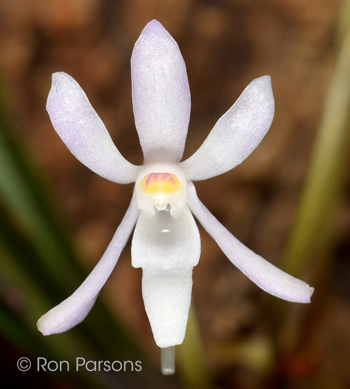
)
(153, 27)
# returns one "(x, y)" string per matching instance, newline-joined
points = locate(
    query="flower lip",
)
(159, 185)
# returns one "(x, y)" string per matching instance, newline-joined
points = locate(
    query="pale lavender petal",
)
(160, 94)
(75, 308)
(236, 134)
(264, 274)
(84, 133)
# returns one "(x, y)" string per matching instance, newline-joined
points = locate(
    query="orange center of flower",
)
(160, 183)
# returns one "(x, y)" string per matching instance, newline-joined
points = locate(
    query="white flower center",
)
(159, 185)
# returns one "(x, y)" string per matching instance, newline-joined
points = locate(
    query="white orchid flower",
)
(166, 242)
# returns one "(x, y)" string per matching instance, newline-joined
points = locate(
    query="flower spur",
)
(166, 242)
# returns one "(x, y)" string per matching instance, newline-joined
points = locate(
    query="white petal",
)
(164, 242)
(236, 134)
(75, 308)
(167, 298)
(166, 248)
(264, 274)
(160, 94)
(83, 132)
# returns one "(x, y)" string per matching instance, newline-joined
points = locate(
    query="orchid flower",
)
(166, 242)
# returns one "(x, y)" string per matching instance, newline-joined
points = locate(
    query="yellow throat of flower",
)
(155, 183)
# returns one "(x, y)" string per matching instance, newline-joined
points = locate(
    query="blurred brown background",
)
(225, 44)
